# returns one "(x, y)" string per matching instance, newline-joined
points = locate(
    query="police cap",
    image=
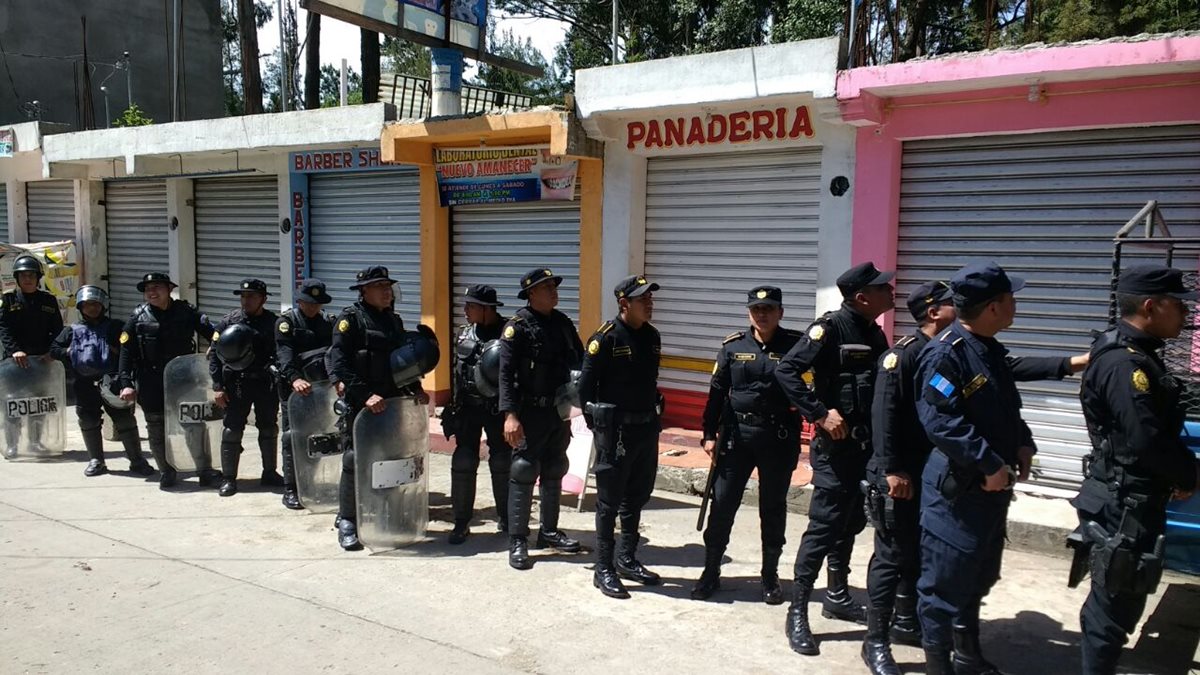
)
(764, 295)
(859, 277)
(928, 294)
(251, 286)
(482, 294)
(313, 291)
(634, 286)
(534, 277)
(981, 281)
(155, 278)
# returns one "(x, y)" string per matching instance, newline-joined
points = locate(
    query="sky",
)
(340, 40)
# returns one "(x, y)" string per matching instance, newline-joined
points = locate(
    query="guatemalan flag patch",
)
(942, 385)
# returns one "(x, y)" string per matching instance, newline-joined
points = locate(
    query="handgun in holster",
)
(604, 430)
(1117, 563)
(881, 508)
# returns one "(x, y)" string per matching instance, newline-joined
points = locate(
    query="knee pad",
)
(524, 471)
(231, 435)
(89, 420)
(464, 461)
(555, 468)
(348, 460)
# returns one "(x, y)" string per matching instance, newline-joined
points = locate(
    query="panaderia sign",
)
(779, 123)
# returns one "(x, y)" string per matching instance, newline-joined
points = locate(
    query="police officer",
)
(29, 322)
(159, 330)
(841, 348)
(366, 334)
(968, 403)
(758, 429)
(240, 362)
(91, 349)
(1138, 463)
(900, 449)
(618, 390)
(473, 412)
(302, 337)
(538, 350)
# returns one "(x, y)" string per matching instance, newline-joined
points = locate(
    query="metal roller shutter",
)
(495, 244)
(1046, 207)
(4, 214)
(136, 222)
(51, 208)
(237, 236)
(367, 218)
(716, 225)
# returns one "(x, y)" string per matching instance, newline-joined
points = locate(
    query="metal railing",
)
(413, 97)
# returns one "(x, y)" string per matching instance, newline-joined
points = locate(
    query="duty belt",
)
(540, 401)
(756, 420)
(625, 417)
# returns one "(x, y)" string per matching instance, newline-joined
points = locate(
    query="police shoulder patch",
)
(509, 332)
(890, 361)
(905, 341)
(608, 325)
(817, 332)
(733, 336)
(343, 325)
(1140, 381)
(594, 347)
(284, 327)
(124, 337)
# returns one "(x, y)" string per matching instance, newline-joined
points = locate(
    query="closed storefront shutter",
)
(4, 238)
(367, 218)
(51, 208)
(237, 236)
(135, 214)
(717, 225)
(1045, 207)
(495, 244)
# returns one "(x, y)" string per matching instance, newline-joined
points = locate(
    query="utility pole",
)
(615, 20)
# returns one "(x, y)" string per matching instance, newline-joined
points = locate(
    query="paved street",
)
(109, 574)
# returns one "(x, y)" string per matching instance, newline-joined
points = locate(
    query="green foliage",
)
(545, 90)
(331, 82)
(231, 53)
(133, 116)
(405, 58)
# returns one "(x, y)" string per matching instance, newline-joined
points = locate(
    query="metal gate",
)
(495, 244)
(237, 236)
(51, 209)
(135, 214)
(4, 238)
(717, 225)
(1046, 207)
(367, 218)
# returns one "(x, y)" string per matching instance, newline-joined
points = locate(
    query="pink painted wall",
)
(1143, 101)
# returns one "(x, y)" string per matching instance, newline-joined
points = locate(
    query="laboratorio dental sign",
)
(503, 174)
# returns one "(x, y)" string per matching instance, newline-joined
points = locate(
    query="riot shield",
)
(33, 415)
(193, 421)
(316, 448)
(390, 474)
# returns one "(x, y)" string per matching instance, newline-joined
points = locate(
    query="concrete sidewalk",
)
(111, 575)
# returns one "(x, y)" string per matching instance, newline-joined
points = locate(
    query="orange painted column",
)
(435, 281)
(591, 235)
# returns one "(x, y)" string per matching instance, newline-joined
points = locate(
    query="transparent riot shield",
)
(390, 474)
(193, 421)
(316, 448)
(33, 417)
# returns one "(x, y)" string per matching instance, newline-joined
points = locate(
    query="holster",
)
(881, 508)
(605, 431)
(449, 419)
(1117, 562)
(1080, 556)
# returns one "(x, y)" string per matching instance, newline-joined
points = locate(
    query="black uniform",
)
(249, 388)
(28, 323)
(842, 349)
(358, 359)
(151, 338)
(619, 393)
(1134, 418)
(537, 354)
(475, 413)
(89, 406)
(762, 431)
(299, 341)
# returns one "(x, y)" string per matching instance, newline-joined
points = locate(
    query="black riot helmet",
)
(235, 346)
(486, 372)
(418, 355)
(27, 263)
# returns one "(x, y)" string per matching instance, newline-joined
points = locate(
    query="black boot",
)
(348, 535)
(462, 497)
(799, 634)
(93, 442)
(292, 500)
(231, 455)
(605, 577)
(267, 448)
(968, 657)
(710, 579)
(518, 553)
(133, 450)
(876, 651)
(549, 536)
(906, 628)
(158, 450)
(937, 661)
(772, 591)
(629, 567)
(838, 603)
(500, 494)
